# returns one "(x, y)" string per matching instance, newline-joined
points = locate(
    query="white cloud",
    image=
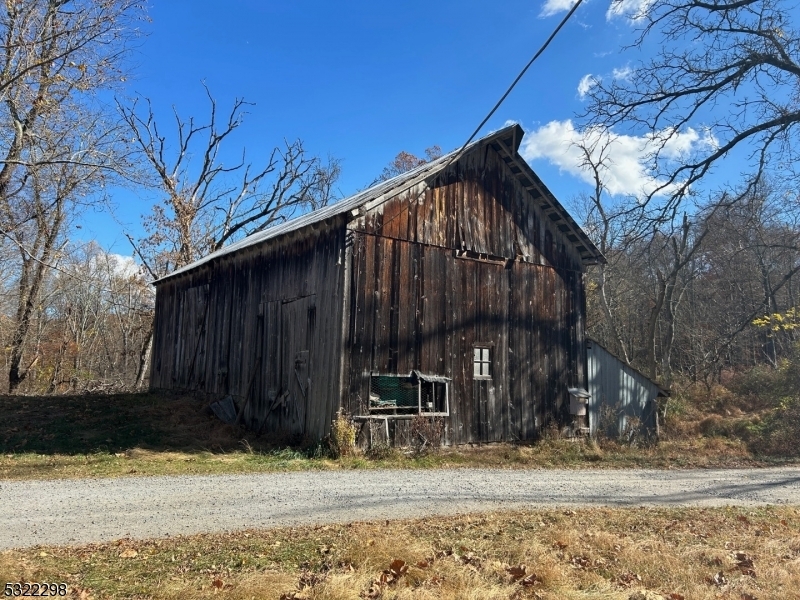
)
(553, 7)
(119, 265)
(630, 9)
(623, 73)
(628, 169)
(586, 83)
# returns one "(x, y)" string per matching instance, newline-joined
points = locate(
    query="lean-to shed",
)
(454, 290)
(622, 399)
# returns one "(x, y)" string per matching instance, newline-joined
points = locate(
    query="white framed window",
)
(482, 362)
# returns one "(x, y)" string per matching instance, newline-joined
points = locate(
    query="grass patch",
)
(650, 553)
(164, 434)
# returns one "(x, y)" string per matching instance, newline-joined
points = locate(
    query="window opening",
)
(482, 257)
(416, 393)
(482, 362)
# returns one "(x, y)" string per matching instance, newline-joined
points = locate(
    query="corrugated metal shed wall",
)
(619, 393)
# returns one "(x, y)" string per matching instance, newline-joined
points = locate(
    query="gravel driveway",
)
(93, 510)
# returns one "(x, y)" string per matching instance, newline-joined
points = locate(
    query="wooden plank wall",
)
(226, 317)
(415, 305)
(478, 205)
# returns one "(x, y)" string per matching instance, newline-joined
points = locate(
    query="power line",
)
(516, 81)
(456, 155)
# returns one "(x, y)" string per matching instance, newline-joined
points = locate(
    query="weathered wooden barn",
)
(454, 290)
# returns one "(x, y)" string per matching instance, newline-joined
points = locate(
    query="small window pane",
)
(485, 369)
(485, 352)
(477, 354)
(476, 368)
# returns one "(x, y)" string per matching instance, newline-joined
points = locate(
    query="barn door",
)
(298, 319)
(190, 350)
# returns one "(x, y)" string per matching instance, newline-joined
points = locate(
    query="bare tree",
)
(669, 266)
(207, 203)
(748, 268)
(57, 142)
(613, 227)
(732, 65)
(405, 161)
(102, 307)
(54, 56)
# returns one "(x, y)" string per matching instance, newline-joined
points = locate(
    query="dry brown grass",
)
(645, 553)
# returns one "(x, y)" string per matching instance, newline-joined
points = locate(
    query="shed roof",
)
(505, 141)
(662, 391)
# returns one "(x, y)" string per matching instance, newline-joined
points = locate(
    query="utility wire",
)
(457, 155)
(516, 81)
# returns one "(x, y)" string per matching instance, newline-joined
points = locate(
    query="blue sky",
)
(363, 80)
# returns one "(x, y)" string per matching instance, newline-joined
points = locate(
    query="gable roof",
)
(505, 141)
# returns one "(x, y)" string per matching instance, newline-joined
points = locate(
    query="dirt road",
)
(93, 510)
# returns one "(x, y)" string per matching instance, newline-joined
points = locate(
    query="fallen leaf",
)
(676, 596)
(628, 578)
(517, 572)
(581, 562)
(531, 579)
(129, 553)
(396, 570)
(717, 579)
(218, 583)
(745, 564)
(375, 591)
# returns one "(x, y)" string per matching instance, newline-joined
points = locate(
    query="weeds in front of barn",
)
(652, 553)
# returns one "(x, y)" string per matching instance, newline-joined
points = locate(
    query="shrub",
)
(711, 425)
(380, 447)
(342, 440)
(778, 433)
(427, 434)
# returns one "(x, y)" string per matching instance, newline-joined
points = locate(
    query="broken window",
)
(482, 362)
(483, 257)
(416, 393)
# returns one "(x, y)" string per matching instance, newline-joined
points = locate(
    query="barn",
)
(453, 291)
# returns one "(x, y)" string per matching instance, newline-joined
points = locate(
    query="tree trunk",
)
(144, 359)
(652, 323)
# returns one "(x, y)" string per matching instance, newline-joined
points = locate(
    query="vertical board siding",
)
(416, 305)
(222, 330)
(524, 312)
